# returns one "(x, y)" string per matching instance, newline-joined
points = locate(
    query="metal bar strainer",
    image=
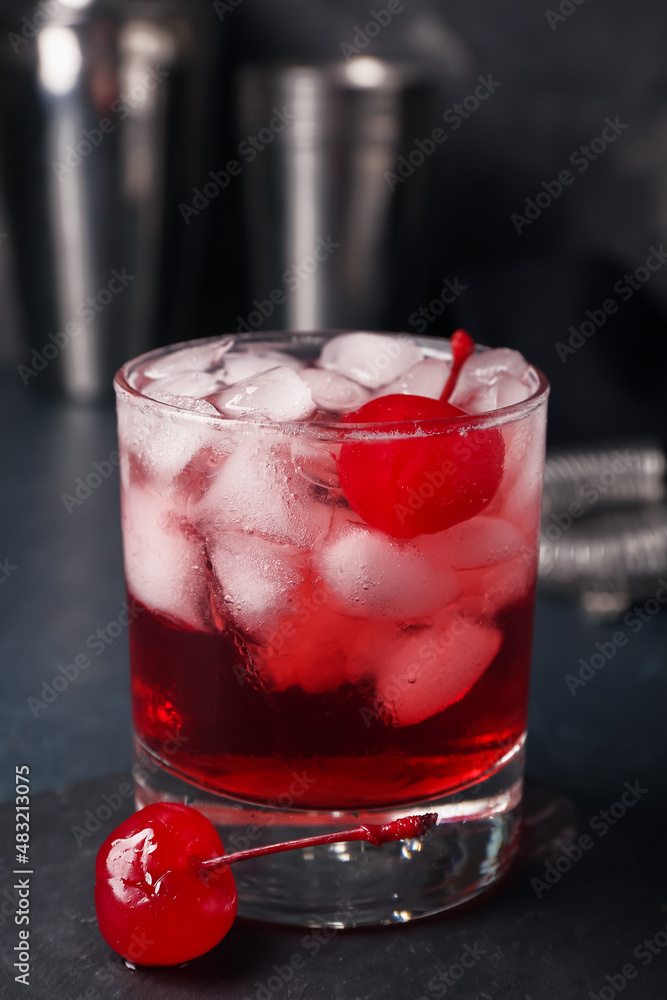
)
(603, 537)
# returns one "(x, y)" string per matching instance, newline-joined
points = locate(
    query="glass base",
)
(355, 884)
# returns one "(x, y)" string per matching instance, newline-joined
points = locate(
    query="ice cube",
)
(511, 582)
(344, 518)
(334, 392)
(480, 400)
(370, 574)
(426, 378)
(503, 390)
(197, 358)
(187, 403)
(423, 672)
(195, 384)
(491, 379)
(315, 462)
(256, 580)
(519, 498)
(164, 441)
(371, 359)
(511, 390)
(490, 590)
(244, 364)
(278, 394)
(165, 560)
(483, 365)
(481, 541)
(308, 648)
(258, 490)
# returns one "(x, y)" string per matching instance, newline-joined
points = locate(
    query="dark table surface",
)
(61, 581)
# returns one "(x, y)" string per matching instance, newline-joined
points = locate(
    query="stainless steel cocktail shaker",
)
(335, 237)
(105, 113)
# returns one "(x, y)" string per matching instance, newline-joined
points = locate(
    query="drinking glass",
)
(295, 670)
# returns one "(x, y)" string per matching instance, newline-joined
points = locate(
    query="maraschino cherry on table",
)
(424, 481)
(164, 892)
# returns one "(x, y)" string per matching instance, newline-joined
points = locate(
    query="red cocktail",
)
(334, 586)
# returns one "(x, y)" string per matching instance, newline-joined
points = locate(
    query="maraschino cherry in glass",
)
(164, 891)
(419, 483)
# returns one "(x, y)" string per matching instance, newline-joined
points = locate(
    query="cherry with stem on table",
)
(164, 891)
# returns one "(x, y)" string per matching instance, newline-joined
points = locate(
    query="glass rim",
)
(332, 428)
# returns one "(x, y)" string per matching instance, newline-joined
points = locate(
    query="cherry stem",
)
(399, 829)
(462, 347)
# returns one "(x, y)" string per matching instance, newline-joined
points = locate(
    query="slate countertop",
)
(559, 927)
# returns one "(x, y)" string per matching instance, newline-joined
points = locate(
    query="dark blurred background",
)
(172, 169)
(553, 79)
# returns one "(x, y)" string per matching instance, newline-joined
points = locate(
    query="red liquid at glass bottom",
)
(211, 722)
